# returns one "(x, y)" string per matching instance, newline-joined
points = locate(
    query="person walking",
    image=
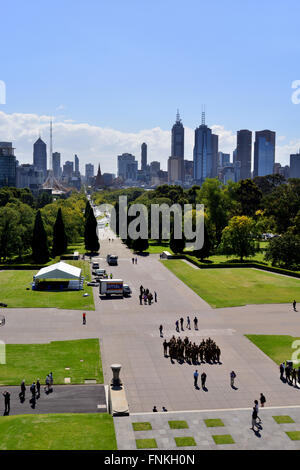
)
(262, 400)
(32, 389)
(232, 377)
(257, 410)
(254, 417)
(281, 369)
(177, 325)
(23, 390)
(181, 323)
(294, 306)
(196, 323)
(161, 330)
(51, 379)
(155, 296)
(196, 375)
(165, 345)
(84, 319)
(203, 379)
(38, 388)
(132, 259)
(141, 298)
(188, 322)
(6, 395)
(135, 260)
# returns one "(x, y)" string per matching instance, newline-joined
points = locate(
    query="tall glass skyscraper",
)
(7, 165)
(177, 144)
(144, 156)
(203, 153)
(40, 156)
(264, 153)
(243, 152)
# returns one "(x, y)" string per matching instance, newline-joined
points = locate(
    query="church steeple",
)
(98, 180)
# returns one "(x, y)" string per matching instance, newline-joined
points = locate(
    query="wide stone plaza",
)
(129, 335)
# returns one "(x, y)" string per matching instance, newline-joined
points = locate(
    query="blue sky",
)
(127, 66)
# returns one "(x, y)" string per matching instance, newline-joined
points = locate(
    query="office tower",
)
(68, 169)
(40, 156)
(7, 165)
(56, 165)
(144, 157)
(223, 158)
(27, 176)
(174, 170)
(228, 173)
(127, 167)
(203, 152)
(215, 149)
(243, 152)
(76, 159)
(264, 153)
(89, 172)
(188, 170)
(295, 165)
(177, 144)
(154, 168)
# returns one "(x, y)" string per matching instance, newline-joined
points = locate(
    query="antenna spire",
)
(178, 116)
(203, 115)
(51, 147)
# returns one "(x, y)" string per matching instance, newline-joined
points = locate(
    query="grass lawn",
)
(223, 439)
(213, 423)
(277, 347)
(142, 426)
(146, 443)
(14, 294)
(178, 424)
(283, 419)
(58, 432)
(293, 435)
(158, 247)
(79, 246)
(32, 361)
(185, 441)
(231, 287)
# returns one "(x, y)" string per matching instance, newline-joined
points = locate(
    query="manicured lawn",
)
(223, 439)
(142, 426)
(212, 423)
(277, 347)
(14, 294)
(156, 247)
(283, 419)
(79, 246)
(231, 287)
(293, 435)
(178, 424)
(185, 441)
(33, 361)
(58, 432)
(146, 444)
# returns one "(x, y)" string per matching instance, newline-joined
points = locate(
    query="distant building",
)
(154, 168)
(89, 173)
(228, 173)
(223, 158)
(144, 157)
(188, 170)
(40, 156)
(76, 161)
(174, 170)
(244, 151)
(7, 165)
(108, 179)
(27, 176)
(127, 167)
(295, 165)
(177, 144)
(215, 151)
(68, 169)
(56, 165)
(204, 153)
(264, 153)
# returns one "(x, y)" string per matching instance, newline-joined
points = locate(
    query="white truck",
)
(111, 287)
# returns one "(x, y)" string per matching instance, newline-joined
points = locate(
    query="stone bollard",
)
(116, 382)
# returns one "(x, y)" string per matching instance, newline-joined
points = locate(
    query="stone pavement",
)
(237, 424)
(63, 399)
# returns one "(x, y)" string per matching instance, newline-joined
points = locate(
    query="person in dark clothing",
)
(23, 390)
(281, 368)
(161, 330)
(181, 323)
(294, 305)
(177, 325)
(33, 389)
(155, 296)
(254, 417)
(262, 400)
(196, 375)
(141, 298)
(203, 379)
(154, 409)
(6, 395)
(165, 345)
(196, 323)
(38, 388)
(84, 319)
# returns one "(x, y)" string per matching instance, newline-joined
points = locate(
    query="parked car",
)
(95, 266)
(100, 273)
(126, 290)
(112, 260)
(93, 283)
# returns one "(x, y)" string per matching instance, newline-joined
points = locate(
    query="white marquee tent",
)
(59, 270)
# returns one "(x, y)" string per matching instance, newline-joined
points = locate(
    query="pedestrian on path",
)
(32, 389)
(141, 298)
(155, 296)
(181, 323)
(164, 408)
(135, 260)
(203, 379)
(132, 259)
(254, 417)
(281, 368)
(6, 395)
(165, 345)
(232, 377)
(84, 319)
(161, 330)
(38, 388)
(51, 379)
(47, 383)
(154, 409)
(294, 306)
(262, 400)
(196, 323)
(177, 325)
(188, 322)
(257, 410)
(23, 390)
(196, 375)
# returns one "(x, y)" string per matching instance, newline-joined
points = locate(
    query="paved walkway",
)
(236, 423)
(63, 399)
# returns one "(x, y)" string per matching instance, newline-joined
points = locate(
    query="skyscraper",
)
(243, 152)
(7, 165)
(144, 156)
(264, 153)
(215, 151)
(177, 144)
(89, 172)
(76, 159)
(203, 152)
(56, 165)
(295, 165)
(40, 156)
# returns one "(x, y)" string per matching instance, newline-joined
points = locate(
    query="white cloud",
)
(94, 144)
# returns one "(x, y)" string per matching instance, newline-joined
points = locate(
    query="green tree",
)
(9, 232)
(238, 237)
(90, 233)
(177, 245)
(212, 196)
(139, 245)
(60, 241)
(204, 252)
(249, 197)
(40, 251)
(284, 250)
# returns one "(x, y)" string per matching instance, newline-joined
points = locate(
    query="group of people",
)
(35, 389)
(188, 324)
(288, 374)
(185, 350)
(146, 296)
(134, 260)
